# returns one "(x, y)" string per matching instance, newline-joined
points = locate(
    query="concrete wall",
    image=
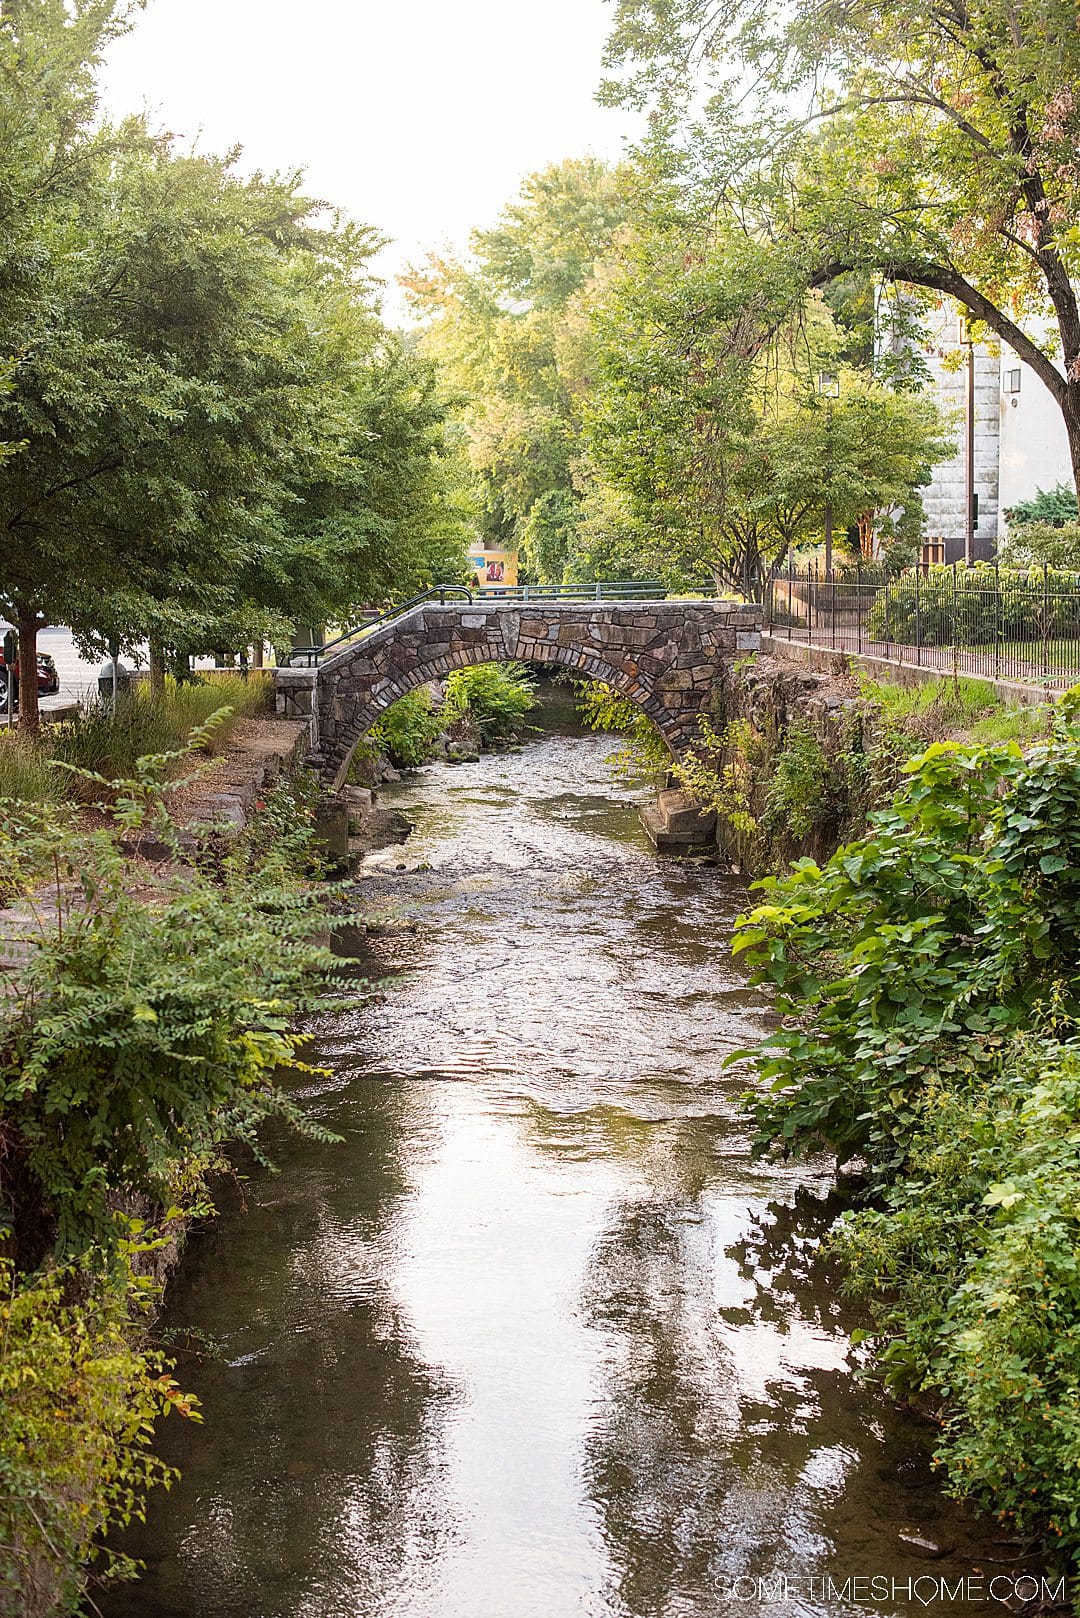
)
(1034, 446)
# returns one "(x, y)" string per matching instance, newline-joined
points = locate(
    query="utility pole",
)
(969, 458)
(829, 388)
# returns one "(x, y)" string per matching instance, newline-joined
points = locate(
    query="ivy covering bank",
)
(929, 974)
(148, 1018)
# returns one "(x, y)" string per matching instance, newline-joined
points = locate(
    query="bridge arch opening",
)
(565, 659)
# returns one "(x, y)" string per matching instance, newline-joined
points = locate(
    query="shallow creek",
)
(538, 1340)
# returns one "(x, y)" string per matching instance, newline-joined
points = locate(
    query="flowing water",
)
(538, 1340)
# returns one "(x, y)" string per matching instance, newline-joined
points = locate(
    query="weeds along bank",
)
(107, 741)
(149, 1016)
(794, 762)
(921, 932)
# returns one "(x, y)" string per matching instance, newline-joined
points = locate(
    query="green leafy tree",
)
(511, 337)
(933, 145)
(211, 435)
(710, 424)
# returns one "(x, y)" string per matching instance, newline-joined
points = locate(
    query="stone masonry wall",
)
(663, 655)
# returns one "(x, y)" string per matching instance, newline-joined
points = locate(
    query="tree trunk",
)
(157, 668)
(257, 655)
(1070, 409)
(29, 711)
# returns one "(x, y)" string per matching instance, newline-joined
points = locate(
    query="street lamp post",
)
(829, 388)
(964, 334)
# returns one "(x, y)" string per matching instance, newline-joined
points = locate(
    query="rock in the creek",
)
(332, 829)
(931, 1550)
(379, 828)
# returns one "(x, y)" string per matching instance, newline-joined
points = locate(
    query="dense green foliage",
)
(710, 432)
(509, 329)
(929, 975)
(978, 606)
(932, 145)
(612, 431)
(406, 732)
(1056, 507)
(79, 1401)
(212, 436)
(1042, 544)
(970, 1265)
(493, 697)
(147, 1023)
(150, 1018)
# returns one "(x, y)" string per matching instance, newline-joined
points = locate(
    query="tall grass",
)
(25, 772)
(109, 743)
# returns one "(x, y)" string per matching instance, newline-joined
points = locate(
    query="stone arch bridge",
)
(666, 656)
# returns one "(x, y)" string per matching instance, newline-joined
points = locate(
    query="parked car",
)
(47, 678)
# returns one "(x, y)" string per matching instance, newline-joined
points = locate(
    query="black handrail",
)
(309, 656)
(613, 591)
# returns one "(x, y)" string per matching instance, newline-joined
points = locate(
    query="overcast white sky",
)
(419, 118)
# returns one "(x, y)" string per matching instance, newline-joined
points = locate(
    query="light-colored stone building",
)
(1020, 441)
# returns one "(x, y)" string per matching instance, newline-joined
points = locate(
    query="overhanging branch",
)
(943, 278)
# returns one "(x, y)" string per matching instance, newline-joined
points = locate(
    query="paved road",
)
(77, 676)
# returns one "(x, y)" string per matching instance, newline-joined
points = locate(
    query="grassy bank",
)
(144, 723)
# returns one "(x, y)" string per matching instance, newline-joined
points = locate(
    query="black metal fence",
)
(1006, 623)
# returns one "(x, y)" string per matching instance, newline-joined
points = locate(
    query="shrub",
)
(1057, 545)
(970, 1266)
(79, 1403)
(495, 696)
(976, 606)
(929, 977)
(143, 1027)
(1056, 506)
(718, 773)
(407, 730)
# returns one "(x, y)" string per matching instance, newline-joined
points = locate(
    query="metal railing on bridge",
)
(610, 590)
(613, 590)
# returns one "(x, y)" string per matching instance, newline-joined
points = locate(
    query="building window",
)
(1012, 381)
